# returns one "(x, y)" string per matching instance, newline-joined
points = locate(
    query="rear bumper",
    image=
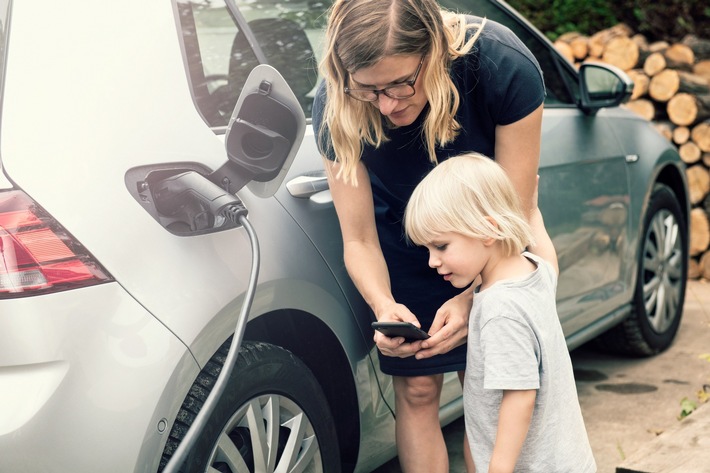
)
(87, 383)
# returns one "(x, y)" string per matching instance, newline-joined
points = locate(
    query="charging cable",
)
(236, 212)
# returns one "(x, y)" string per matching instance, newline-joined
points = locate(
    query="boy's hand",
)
(450, 327)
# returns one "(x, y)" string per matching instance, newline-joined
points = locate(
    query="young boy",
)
(520, 400)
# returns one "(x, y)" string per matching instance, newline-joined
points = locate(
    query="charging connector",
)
(194, 200)
(234, 212)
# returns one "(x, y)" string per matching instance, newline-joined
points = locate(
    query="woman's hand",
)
(450, 327)
(396, 346)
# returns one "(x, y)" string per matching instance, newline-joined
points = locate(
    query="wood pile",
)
(672, 90)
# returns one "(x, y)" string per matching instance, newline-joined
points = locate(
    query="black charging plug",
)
(193, 199)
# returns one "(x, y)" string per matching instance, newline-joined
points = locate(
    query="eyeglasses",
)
(403, 90)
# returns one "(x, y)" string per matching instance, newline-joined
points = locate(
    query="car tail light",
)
(37, 255)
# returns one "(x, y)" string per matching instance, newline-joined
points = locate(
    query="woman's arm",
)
(518, 151)
(514, 418)
(363, 256)
(543, 246)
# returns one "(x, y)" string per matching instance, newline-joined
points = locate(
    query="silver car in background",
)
(115, 315)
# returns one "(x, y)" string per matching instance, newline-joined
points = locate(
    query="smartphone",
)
(407, 330)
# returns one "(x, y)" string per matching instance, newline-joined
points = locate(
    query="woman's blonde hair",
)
(472, 195)
(362, 32)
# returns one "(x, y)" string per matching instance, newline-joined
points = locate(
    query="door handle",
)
(307, 184)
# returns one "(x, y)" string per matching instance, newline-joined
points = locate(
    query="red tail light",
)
(37, 255)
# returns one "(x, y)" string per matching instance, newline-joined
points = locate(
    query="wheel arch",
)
(325, 357)
(674, 177)
(634, 335)
(671, 175)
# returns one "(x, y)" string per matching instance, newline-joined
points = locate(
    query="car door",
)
(584, 191)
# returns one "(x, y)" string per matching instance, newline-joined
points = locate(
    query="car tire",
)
(273, 416)
(660, 283)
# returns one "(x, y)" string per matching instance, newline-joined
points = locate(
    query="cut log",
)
(565, 49)
(669, 82)
(569, 36)
(599, 40)
(706, 161)
(580, 47)
(686, 109)
(641, 82)
(698, 183)
(690, 153)
(694, 271)
(654, 63)
(621, 52)
(702, 68)
(704, 265)
(578, 44)
(664, 85)
(681, 135)
(658, 46)
(700, 47)
(693, 83)
(679, 56)
(699, 231)
(700, 134)
(642, 107)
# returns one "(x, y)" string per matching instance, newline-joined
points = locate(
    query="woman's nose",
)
(386, 104)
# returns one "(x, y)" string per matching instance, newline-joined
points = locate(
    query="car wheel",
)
(272, 417)
(660, 283)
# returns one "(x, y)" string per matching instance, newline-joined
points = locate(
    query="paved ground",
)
(628, 402)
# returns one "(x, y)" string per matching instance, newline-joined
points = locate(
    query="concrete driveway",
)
(628, 402)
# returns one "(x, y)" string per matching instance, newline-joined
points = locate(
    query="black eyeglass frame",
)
(348, 91)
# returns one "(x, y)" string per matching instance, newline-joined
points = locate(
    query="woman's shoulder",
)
(495, 37)
(500, 58)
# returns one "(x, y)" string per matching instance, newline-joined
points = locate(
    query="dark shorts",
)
(455, 360)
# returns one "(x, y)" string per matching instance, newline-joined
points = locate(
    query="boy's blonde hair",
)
(469, 194)
(362, 32)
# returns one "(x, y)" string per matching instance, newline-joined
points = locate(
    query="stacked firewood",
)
(672, 90)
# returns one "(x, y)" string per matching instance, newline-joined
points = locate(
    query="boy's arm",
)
(516, 411)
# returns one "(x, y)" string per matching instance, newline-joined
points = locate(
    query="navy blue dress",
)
(500, 82)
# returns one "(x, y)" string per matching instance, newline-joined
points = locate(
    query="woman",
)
(406, 86)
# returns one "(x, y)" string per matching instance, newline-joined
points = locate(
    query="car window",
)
(222, 47)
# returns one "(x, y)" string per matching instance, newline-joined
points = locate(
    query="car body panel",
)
(75, 370)
(575, 167)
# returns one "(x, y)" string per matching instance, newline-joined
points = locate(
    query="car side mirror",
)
(603, 85)
(263, 134)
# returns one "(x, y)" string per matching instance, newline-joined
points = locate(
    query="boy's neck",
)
(501, 267)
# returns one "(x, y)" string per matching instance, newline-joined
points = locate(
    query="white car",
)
(121, 285)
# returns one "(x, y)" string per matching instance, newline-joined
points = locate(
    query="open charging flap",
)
(263, 134)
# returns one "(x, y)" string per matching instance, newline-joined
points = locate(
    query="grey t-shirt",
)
(516, 342)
